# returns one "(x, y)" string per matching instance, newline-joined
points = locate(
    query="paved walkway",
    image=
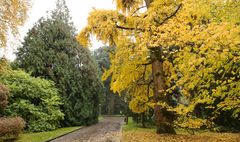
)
(107, 130)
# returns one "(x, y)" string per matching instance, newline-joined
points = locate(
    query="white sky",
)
(79, 10)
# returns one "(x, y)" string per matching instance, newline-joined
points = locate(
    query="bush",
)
(11, 126)
(36, 100)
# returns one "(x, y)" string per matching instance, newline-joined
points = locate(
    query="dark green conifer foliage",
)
(51, 51)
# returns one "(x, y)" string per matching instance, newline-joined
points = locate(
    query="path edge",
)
(49, 140)
(121, 131)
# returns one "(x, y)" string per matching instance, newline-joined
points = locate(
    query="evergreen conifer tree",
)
(50, 50)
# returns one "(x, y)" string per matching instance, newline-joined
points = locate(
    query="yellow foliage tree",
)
(180, 40)
(13, 14)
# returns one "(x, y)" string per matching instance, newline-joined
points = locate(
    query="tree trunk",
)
(126, 119)
(163, 119)
(110, 104)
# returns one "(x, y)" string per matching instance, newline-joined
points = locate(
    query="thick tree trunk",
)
(163, 119)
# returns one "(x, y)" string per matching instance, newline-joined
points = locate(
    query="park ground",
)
(113, 129)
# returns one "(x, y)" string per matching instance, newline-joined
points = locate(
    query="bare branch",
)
(161, 23)
(138, 10)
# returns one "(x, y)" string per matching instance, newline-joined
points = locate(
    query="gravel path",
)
(107, 130)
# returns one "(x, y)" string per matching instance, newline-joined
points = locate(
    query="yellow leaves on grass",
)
(149, 135)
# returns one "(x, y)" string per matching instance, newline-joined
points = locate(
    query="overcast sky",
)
(79, 10)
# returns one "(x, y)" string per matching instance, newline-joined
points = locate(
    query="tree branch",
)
(110, 51)
(167, 18)
(142, 80)
(128, 28)
(170, 16)
(137, 10)
(146, 64)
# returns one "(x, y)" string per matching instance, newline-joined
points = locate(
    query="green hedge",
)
(36, 100)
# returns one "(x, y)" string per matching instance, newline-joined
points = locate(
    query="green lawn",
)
(134, 126)
(43, 136)
(100, 118)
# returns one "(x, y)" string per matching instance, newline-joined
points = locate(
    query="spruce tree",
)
(50, 50)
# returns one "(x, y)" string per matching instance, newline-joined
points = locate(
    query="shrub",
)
(36, 100)
(11, 126)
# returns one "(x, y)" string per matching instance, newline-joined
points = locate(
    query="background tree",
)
(13, 14)
(50, 50)
(111, 103)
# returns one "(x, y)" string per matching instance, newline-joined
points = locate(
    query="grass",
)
(133, 126)
(43, 136)
(100, 118)
(119, 115)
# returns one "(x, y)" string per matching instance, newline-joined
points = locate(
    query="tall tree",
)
(50, 50)
(13, 14)
(152, 37)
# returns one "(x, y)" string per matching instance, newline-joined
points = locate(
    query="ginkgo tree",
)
(209, 64)
(172, 43)
(13, 14)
